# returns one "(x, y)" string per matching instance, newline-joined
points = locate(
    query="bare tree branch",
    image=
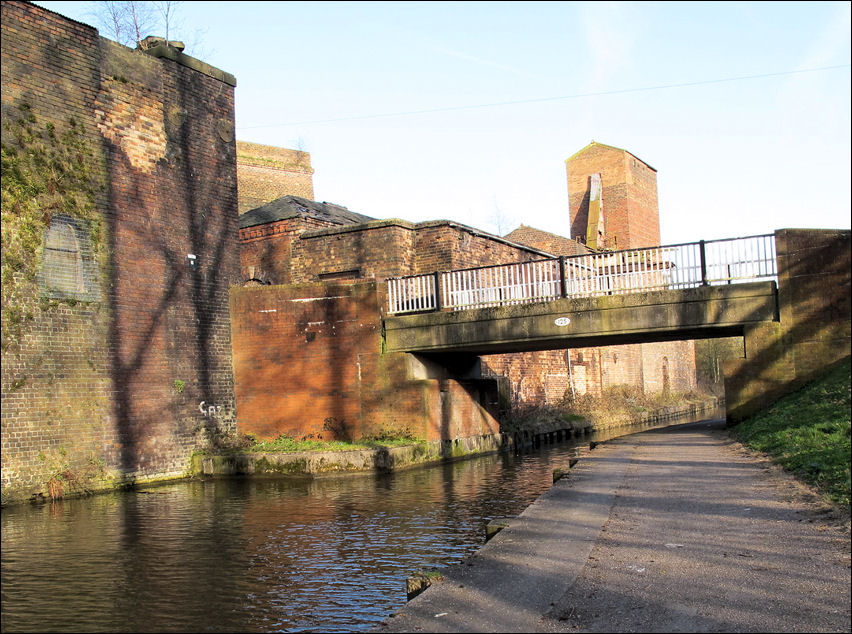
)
(130, 21)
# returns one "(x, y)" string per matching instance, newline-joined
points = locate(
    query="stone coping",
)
(191, 62)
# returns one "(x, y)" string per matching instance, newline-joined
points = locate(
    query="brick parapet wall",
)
(373, 251)
(266, 250)
(447, 246)
(116, 383)
(305, 249)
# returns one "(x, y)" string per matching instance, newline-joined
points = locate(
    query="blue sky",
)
(735, 157)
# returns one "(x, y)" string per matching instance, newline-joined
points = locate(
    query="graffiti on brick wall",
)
(210, 411)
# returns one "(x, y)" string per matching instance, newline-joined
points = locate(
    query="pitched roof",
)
(295, 206)
(611, 147)
(546, 241)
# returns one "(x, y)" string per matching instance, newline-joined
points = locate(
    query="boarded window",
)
(67, 270)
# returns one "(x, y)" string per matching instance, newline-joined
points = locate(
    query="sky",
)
(467, 111)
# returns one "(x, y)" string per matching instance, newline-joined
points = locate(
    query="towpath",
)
(671, 530)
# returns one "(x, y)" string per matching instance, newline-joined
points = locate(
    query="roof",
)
(611, 147)
(295, 206)
(546, 241)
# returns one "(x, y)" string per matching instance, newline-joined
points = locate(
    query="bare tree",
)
(110, 18)
(167, 10)
(130, 21)
(499, 220)
(141, 17)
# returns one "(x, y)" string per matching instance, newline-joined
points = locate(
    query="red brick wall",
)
(117, 382)
(265, 173)
(376, 250)
(442, 246)
(643, 216)
(266, 250)
(669, 366)
(308, 362)
(629, 196)
(305, 249)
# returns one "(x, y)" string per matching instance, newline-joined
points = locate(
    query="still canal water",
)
(254, 555)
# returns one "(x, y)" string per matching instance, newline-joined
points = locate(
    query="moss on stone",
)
(46, 170)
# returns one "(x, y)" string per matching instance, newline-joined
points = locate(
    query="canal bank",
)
(676, 529)
(547, 428)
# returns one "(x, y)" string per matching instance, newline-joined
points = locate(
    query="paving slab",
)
(671, 530)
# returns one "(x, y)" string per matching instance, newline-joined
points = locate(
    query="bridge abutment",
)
(812, 332)
(309, 363)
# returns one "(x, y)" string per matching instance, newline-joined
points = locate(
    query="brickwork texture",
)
(628, 200)
(309, 364)
(113, 389)
(295, 252)
(265, 173)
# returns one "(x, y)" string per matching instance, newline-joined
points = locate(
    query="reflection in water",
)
(254, 555)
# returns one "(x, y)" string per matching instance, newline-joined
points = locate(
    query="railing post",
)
(438, 303)
(563, 283)
(703, 263)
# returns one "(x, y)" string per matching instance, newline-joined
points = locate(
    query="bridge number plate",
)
(562, 321)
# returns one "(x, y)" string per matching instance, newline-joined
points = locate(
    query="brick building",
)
(308, 354)
(627, 196)
(266, 173)
(316, 247)
(116, 331)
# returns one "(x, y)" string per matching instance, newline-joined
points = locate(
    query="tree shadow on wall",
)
(168, 319)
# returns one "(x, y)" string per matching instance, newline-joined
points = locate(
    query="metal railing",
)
(710, 262)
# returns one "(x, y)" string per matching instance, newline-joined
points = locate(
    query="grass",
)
(808, 433)
(288, 444)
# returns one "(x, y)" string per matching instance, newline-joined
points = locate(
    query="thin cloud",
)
(478, 60)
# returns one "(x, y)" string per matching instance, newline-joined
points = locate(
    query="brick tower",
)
(624, 206)
(265, 173)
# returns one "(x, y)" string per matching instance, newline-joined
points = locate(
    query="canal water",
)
(328, 555)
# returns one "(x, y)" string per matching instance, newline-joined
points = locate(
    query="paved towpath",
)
(672, 530)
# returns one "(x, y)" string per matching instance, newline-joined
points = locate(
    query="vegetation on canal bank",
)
(286, 443)
(237, 442)
(808, 433)
(618, 406)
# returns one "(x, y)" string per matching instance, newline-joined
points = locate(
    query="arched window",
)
(67, 270)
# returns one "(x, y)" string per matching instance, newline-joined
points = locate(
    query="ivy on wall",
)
(47, 170)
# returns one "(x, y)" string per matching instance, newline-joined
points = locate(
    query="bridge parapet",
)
(679, 266)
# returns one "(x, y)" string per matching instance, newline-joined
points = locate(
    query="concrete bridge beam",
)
(693, 313)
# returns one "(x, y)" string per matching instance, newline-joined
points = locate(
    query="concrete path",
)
(672, 530)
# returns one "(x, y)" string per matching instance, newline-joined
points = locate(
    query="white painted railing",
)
(501, 285)
(607, 273)
(412, 294)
